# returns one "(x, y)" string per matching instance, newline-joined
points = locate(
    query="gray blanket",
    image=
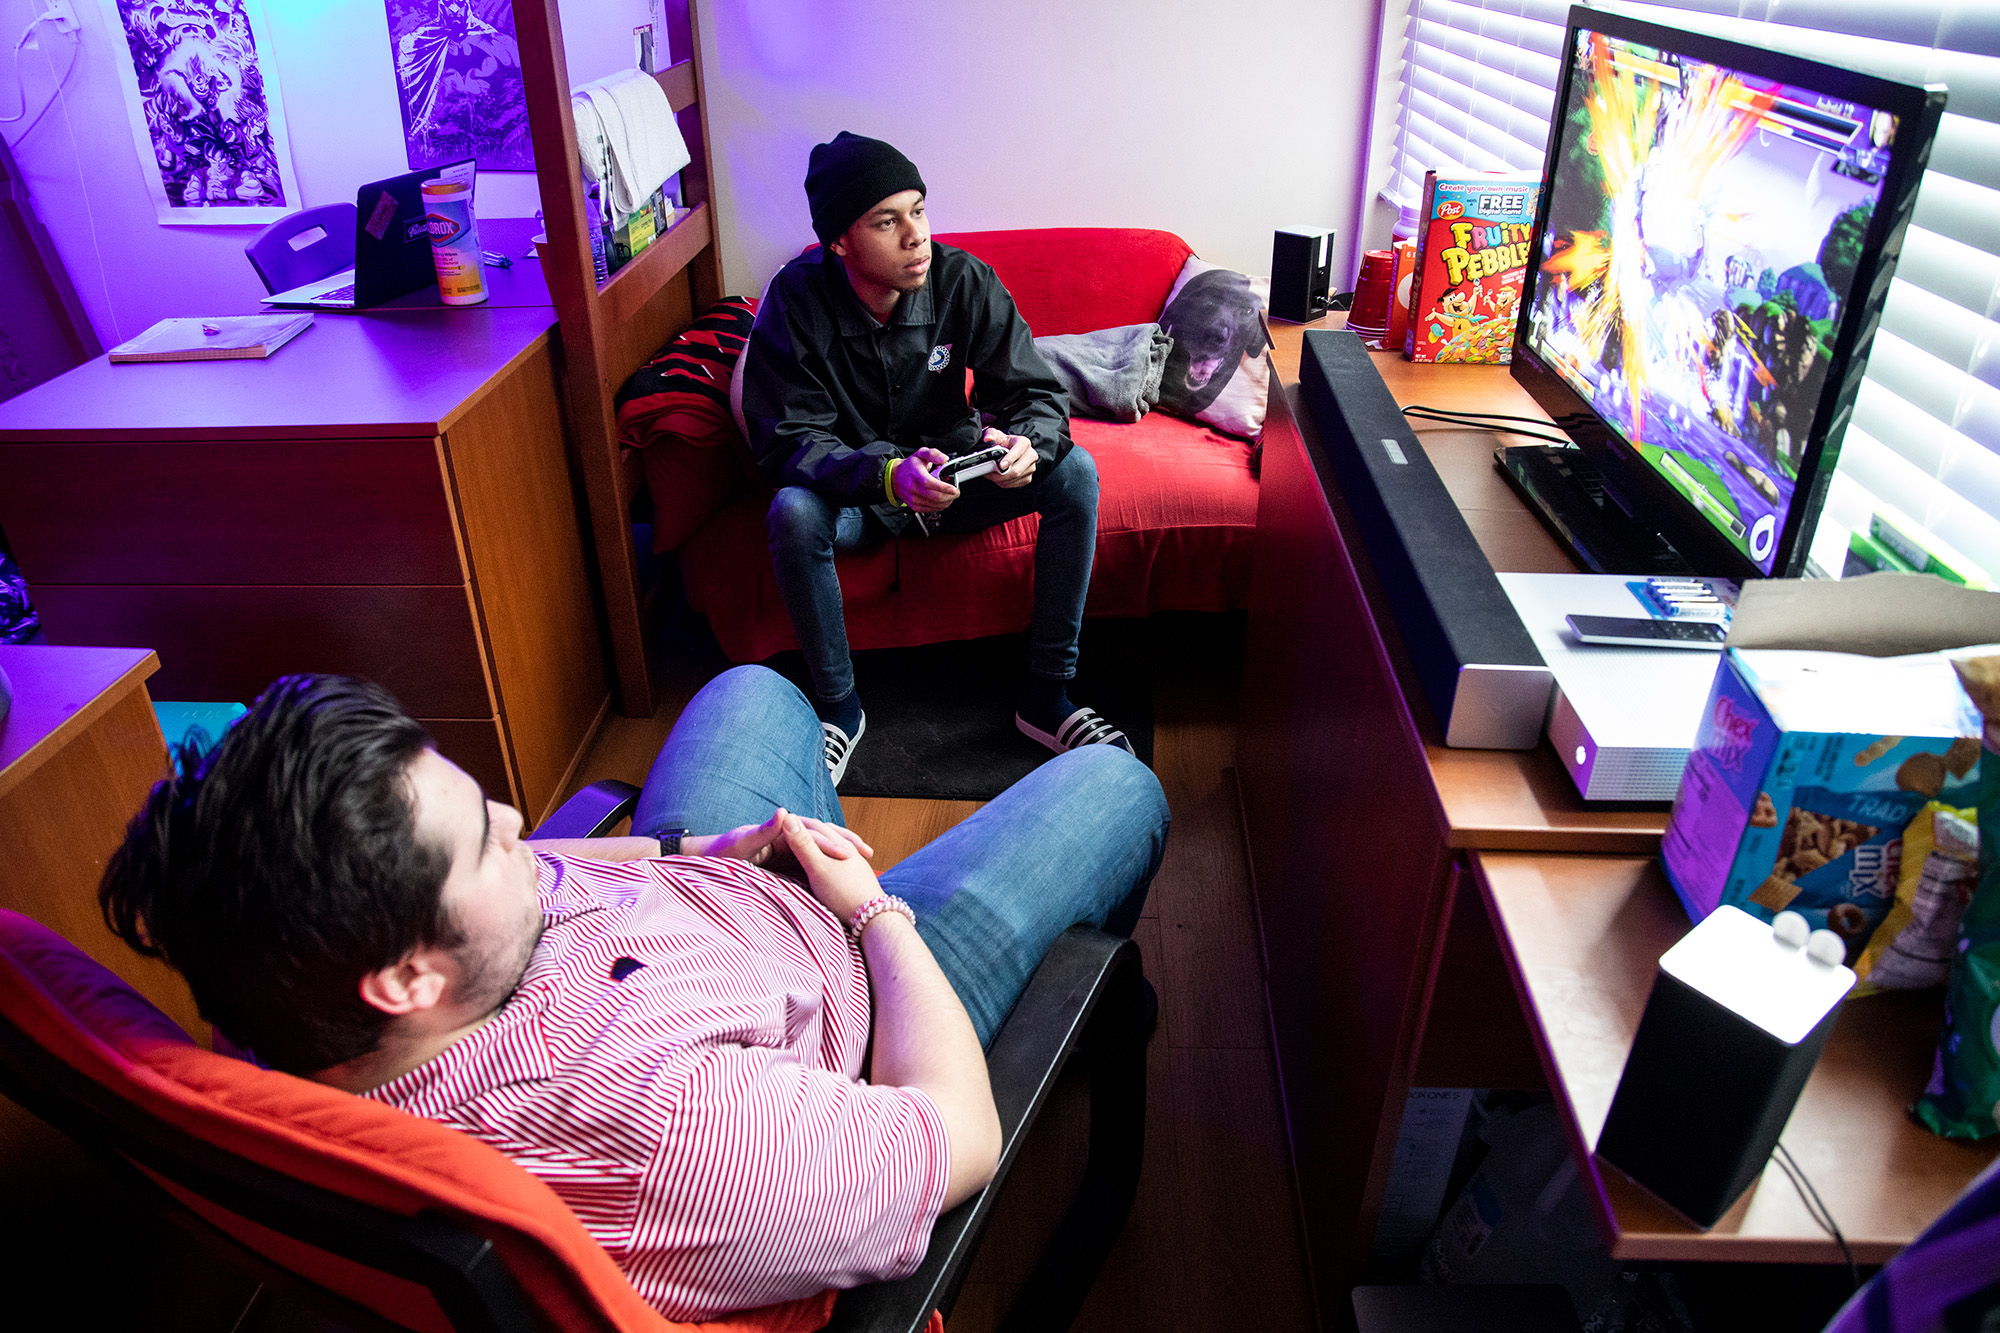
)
(1113, 374)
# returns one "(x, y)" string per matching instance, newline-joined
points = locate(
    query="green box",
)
(1923, 552)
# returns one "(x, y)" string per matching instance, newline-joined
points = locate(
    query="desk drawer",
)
(212, 512)
(228, 643)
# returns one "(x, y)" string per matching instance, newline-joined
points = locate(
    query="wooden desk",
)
(1367, 835)
(1582, 935)
(389, 496)
(79, 750)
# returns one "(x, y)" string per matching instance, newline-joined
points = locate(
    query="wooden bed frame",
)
(610, 331)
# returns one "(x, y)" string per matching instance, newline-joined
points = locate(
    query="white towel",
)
(627, 138)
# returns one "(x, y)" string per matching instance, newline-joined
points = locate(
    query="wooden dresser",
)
(389, 496)
(79, 750)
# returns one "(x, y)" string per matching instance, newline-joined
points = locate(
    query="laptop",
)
(392, 246)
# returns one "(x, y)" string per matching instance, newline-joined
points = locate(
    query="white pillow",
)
(1216, 372)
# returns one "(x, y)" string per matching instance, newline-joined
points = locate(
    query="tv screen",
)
(1714, 240)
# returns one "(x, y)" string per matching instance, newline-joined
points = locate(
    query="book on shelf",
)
(217, 338)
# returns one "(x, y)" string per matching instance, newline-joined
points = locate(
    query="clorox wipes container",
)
(454, 241)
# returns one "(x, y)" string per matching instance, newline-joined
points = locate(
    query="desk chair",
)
(283, 266)
(389, 1221)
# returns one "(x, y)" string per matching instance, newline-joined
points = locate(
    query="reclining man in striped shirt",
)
(676, 1039)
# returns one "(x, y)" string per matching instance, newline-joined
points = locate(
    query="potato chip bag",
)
(1962, 1099)
(1913, 947)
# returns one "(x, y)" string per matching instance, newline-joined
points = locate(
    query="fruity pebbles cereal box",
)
(1472, 247)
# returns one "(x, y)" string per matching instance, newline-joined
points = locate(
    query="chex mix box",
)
(1805, 771)
(1472, 248)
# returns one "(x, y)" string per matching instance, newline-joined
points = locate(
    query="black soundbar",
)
(1480, 670)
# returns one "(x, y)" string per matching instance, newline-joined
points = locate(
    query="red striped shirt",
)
(704, 1116)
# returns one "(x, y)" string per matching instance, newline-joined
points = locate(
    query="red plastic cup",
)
(1399, 298)
(1369, 315)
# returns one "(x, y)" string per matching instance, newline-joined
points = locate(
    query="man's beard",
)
(488, 979)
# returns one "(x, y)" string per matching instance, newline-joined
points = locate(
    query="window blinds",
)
(1923, 448)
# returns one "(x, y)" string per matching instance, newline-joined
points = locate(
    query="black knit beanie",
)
(849, 176)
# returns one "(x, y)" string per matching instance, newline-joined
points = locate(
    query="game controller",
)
(975, 464)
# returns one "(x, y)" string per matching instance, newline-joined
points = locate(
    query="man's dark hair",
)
(283, 867)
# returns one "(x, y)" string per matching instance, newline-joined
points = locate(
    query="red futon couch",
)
(1178, 501)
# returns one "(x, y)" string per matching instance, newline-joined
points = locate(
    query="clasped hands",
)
(917, 485)
(833, 858)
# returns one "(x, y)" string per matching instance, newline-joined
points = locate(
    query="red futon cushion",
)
(1177, 506)
(1080, 279)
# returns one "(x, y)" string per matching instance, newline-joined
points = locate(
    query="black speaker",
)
(1481, 671)
(1301, 268)
(1736, 1020)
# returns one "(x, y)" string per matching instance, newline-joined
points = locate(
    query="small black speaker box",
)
(1301, 270)
(1479, 668)
(1731, 1031)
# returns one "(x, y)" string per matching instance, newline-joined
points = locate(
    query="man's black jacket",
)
(829, 395)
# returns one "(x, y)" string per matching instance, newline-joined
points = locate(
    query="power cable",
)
(89, 213)
(76, 42)
(1484, 421)
(1816, 1208)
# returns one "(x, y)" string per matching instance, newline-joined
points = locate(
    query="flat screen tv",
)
(1716, 231)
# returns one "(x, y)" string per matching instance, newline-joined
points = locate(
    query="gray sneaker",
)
(840, 746)
(1083, 727)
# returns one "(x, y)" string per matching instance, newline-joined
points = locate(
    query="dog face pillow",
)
(1216, 372)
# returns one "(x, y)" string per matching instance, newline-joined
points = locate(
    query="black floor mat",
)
(941, 716)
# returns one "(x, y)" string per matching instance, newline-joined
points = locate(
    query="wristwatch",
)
(670, 840)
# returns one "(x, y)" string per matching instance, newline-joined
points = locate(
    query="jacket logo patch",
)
(940, 358)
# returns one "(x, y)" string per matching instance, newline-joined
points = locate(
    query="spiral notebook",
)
(217, 338)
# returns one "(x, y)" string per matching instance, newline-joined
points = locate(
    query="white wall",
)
(1219, 122)
(339, 96)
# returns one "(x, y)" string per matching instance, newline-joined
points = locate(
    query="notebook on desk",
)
(392, 247)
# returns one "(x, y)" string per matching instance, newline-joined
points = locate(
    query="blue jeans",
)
(1077, 840)
(805, 531)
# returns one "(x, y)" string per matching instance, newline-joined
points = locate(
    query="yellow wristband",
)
(889, 483)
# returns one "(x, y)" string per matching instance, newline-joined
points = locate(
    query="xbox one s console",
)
(1623, 719)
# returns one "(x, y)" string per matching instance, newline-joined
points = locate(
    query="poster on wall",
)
(206, 116)
(458, 69)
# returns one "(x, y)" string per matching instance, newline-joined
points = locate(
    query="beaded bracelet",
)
(875, 907)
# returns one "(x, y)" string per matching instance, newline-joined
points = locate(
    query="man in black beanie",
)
(854, 395)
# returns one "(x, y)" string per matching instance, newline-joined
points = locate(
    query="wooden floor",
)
(1213, 1241)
